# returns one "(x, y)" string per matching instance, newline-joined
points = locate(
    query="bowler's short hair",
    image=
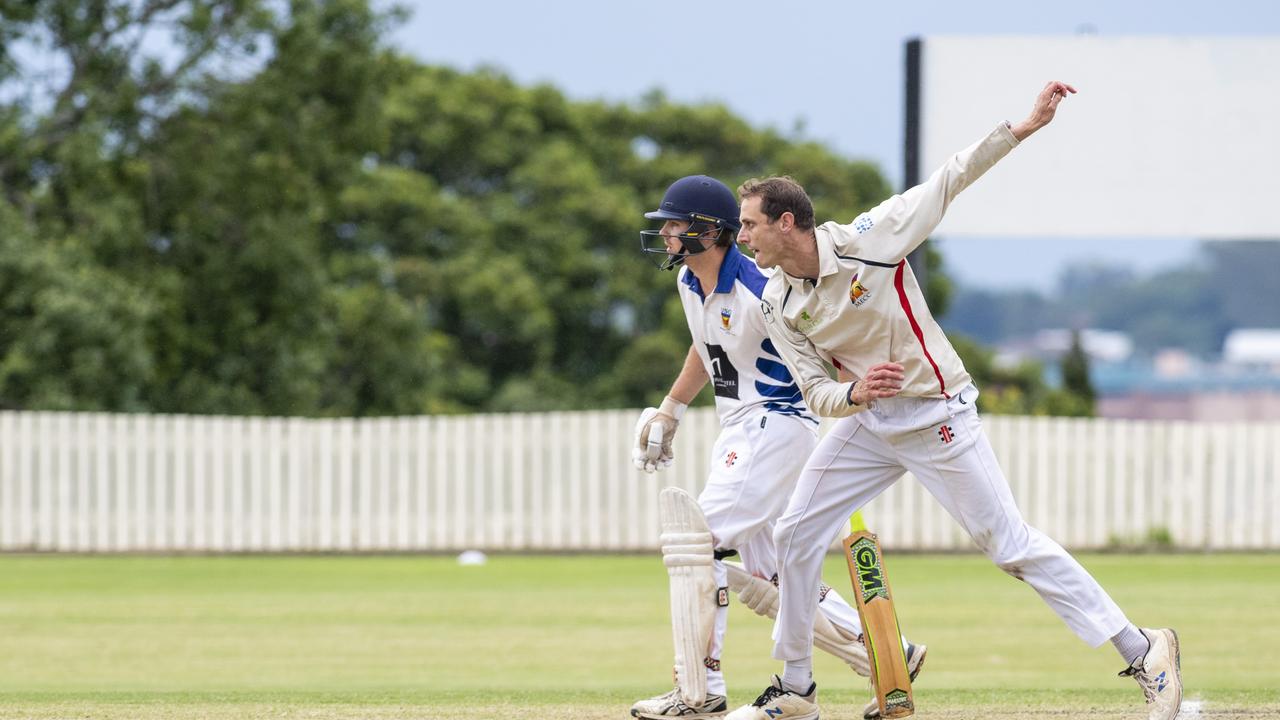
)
(780, 195)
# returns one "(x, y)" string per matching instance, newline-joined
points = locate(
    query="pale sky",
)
(834, 69)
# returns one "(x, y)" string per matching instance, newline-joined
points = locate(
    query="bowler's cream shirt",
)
(865, 306)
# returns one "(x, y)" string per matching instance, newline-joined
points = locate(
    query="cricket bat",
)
(880, 629)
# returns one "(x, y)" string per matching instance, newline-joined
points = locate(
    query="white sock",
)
(1131, 643)
(715, 682)
(797, 675)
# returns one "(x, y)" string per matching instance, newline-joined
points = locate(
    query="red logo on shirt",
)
(946, 434)
(731, 459)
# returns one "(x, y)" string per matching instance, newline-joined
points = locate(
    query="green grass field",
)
(575, 637)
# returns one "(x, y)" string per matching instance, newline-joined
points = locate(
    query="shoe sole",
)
(700, 716)
(715, 715)
(1177, 665)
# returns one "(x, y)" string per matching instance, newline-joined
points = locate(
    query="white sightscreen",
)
(1168, 137)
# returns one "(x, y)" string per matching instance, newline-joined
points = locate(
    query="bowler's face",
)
(759, 233)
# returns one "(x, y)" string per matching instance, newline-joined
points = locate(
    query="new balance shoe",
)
(778, 703)
(672, 705)
(915, 661)
(1159, 674)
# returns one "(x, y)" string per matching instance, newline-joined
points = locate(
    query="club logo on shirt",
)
(724, 318)
(946, 434)
(858, 293)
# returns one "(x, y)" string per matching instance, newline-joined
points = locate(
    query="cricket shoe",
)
(672, 705)
(915, 661)
(778, 703)
(1159, 674)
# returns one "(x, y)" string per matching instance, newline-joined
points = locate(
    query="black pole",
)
(911, 143)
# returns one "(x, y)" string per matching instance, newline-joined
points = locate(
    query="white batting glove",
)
(761, 596)
(654, 432)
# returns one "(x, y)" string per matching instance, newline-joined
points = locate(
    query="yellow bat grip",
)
(856, 523)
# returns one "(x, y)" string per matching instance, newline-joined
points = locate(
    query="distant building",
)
(1253, 347)
(1222, 406)
(1170, 384)
(1102, 346)
(1244, 386)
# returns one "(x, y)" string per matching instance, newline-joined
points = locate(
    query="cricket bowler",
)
(846, 295)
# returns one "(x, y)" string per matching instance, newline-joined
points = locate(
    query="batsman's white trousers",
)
(753, 469)
(942, 443)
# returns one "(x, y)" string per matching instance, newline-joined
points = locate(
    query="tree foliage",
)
(1075, 373)
(270, 212)
(1019, 389)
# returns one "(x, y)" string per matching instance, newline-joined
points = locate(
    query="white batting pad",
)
(687, 552)
(762, 597)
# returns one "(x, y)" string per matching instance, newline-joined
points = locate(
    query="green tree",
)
(281, 215)
(1019, 389)
(252, 180)
(1075, 374)
(939, 288)
(72, 335)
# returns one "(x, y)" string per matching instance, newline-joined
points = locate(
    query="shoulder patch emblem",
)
(863, 223)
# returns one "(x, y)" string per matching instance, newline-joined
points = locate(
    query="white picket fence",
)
(564, 482)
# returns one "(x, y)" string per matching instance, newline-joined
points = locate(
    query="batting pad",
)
(687, 552)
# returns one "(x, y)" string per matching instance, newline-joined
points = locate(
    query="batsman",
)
(767, 432)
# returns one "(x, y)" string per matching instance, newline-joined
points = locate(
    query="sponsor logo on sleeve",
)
(807, 322)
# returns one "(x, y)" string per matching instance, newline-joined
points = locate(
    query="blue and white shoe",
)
(778, 703)
(1159, 674)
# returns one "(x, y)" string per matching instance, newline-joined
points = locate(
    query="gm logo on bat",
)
(870, 572)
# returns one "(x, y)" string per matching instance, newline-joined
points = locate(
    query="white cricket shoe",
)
(672, 705)
(777, 703)
(915, 661)
(1159, 674)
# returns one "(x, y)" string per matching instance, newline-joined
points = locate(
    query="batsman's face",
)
(759, 233)
(671, 230)
(675, 233)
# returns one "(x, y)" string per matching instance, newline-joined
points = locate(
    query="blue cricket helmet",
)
(699, 199)
(705, 203)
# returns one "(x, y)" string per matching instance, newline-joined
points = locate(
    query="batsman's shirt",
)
(729, 336)
(865, 306)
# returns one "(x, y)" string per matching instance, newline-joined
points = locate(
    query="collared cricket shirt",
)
(865, 307)
(729, 335)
